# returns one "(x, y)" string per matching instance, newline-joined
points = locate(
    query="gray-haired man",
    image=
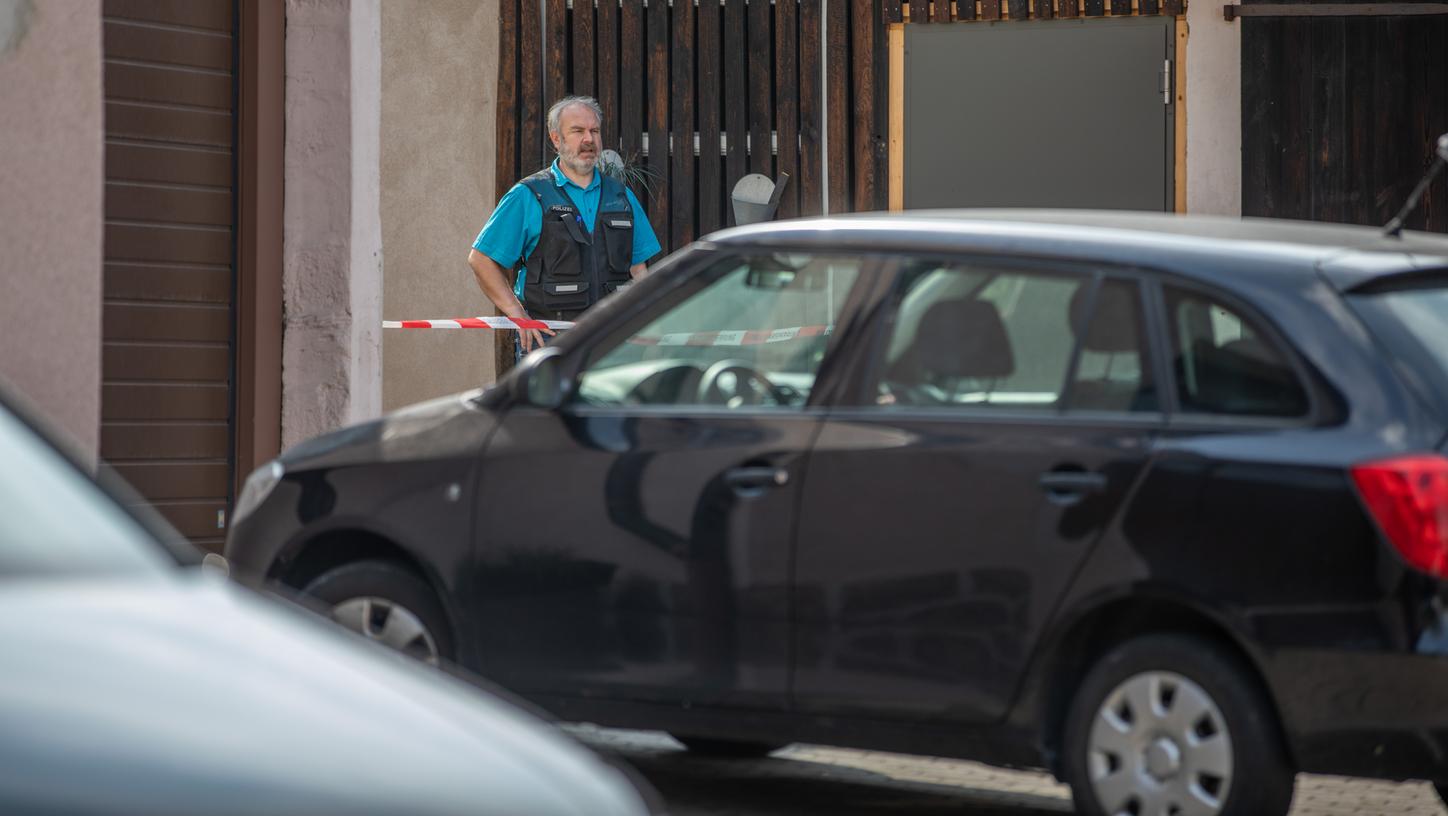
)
(565, 236)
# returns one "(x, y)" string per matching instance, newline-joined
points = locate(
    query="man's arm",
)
(493, 280)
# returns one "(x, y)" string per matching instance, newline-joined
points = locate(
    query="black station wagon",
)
(1157, 503)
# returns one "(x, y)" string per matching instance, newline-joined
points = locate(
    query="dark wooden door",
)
(170, 217)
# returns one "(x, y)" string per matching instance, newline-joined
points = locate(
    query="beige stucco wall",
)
(439, 85)
(1214, 111)
(51, 185)
(332, 244)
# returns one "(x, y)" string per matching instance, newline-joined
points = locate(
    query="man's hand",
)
(637, 271)
(493, 280)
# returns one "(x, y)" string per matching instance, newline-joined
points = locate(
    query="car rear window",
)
(1411, 321)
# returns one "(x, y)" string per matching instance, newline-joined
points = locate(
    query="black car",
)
(1158, 503)
(135, 679)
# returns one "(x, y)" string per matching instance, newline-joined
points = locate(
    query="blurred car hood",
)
(192, 695)
(447, 426)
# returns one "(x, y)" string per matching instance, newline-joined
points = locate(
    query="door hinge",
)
(1166, 82)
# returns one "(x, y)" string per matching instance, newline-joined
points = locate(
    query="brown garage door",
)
(166, 402)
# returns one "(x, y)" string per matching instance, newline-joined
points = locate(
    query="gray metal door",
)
(1065, 113)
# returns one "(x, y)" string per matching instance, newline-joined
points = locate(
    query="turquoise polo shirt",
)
(512, 230)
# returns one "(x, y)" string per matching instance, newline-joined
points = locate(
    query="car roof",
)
(1347, 255)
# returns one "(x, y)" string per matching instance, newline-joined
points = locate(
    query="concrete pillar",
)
(332, 249)
(1214, 111)
(439, 88)
(51, 217)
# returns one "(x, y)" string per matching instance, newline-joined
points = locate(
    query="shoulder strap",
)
(545, 189)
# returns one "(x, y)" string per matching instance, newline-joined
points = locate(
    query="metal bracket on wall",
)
(1232, 11)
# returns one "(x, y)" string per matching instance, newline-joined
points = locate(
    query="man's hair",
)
(555, 113)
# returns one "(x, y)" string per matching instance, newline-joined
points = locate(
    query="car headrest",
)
(964, 338)
(1114, 328)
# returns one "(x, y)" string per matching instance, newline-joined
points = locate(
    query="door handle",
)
(756, 478)
(1072, 484)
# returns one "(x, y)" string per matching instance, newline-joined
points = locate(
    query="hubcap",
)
(1159, 746)
(389, 623)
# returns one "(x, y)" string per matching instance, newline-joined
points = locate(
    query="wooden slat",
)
(1148, 7)
(940, 11)
(892, 11)
(990, 9)
(607, 29)
(157, 401)
(126, 39)
(1021, 9)
(736, 88)
(130, 201)
(1173, 7)
(965, 9)
(1070, 9)
(711, 163)
(505, 157)
(531, 137)
(1261, 72)
(862, 68)
(167, 283)
(786, 95)
(1120, 8)
(631, 84)
(583, 60)
(658, 115)
(140, 121)
(1328, 157)
(919, 11)
(195, 519)
(168, 164)
(166, 321)
(196, 245)
(761, 81)
(811, 169)
(681, 118)
(555, 65)
(1094, 8)
(176, 480)
(122, 361)
(213, 14)
(123, 441)
(837, 89)
(1294, 180)
(171, 86)
(1045, 10)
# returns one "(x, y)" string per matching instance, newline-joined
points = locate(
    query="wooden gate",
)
(1340, 116)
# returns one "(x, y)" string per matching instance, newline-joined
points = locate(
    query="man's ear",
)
(553, 137)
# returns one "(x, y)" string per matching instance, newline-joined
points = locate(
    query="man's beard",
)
(579, 163)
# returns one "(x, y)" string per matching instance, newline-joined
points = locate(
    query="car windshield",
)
(56, 521)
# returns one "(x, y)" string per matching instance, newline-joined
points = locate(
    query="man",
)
(574, 234)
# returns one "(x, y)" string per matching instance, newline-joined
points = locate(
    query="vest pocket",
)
(618, 240)
(565, 295)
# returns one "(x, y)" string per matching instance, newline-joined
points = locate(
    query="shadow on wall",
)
(15, 16)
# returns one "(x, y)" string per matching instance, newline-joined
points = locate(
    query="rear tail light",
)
(1408, 497)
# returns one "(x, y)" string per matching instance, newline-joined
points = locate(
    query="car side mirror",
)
(538, 380)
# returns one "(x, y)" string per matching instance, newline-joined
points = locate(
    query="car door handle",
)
(1072, 482)
(756, 478)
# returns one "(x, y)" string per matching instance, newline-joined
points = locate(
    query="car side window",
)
(752, 336)
(1113, 369)
(974, 335)
(1224, 364)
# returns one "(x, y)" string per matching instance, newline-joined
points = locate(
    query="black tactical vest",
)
(571, 268)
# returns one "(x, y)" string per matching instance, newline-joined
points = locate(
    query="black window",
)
(1225, 364)
(1113, 371)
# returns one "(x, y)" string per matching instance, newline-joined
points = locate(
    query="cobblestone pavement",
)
(811, 780)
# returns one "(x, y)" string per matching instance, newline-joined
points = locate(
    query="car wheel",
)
(1442, 789)
(1169, 724)
(734, 749)
(388, 604)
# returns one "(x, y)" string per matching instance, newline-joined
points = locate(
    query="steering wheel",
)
(733, 383)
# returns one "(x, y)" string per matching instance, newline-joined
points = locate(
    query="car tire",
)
(1166, 719)
(726, 748)
(387, 603)
(1442, 789)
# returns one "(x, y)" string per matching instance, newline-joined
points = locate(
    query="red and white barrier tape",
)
(478, 323)
(733, 338)
(757, 337)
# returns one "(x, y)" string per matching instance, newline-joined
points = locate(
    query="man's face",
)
(577, 138)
